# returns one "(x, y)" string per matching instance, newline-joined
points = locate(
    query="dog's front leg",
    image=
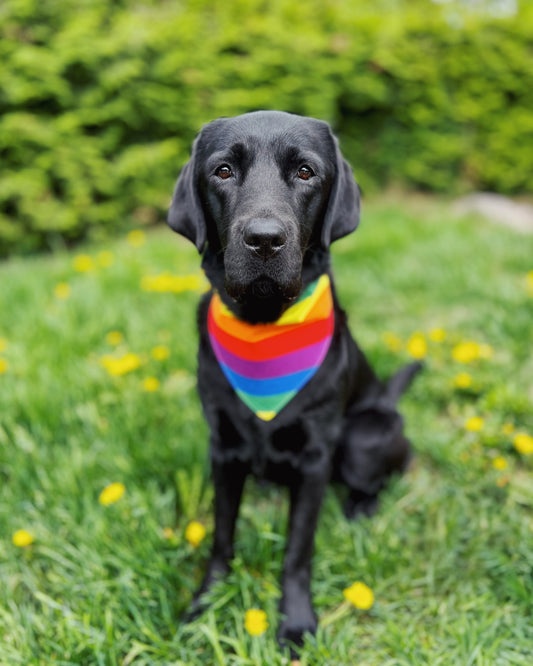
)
(306, 496)
(228, 479)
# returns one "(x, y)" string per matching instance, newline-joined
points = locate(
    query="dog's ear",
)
(186, 215)
(342, 214)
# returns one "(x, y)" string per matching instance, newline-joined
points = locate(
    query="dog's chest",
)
(272, 451)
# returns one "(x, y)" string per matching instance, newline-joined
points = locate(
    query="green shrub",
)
(100, 101)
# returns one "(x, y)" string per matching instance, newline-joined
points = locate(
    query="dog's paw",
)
(197, 607)
(292, 633)
(192, 613)
(359, 504)
(216, 571)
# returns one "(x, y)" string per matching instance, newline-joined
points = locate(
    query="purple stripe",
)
(308, 357)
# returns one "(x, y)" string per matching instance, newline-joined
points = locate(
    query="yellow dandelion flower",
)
(499, 463)
(22, 538)
(151, 384)
(437, 335)
(392, 341)
(507, 429)
(122, 365)
(503, 481)
(159, 283)
(466, 352)
(523, 443)
(168, 532)
(160, 353)
(62, 291)
(474, 424)
(4, 366)
(360, 595)
(136, 238)
(529, 282)
(168, 283)
(463, 380)
(3, 344)
(417, 346)
(83, 263)
(114, 338)
(112, 493)
(255, 622)
(105, 258)
(195, 533)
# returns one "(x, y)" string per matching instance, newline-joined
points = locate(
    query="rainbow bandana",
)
(267, 364)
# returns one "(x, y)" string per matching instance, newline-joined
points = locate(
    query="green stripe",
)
(307, 291)
(266, 403)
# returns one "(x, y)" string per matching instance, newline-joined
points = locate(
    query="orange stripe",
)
(256, 332)
(289, 339)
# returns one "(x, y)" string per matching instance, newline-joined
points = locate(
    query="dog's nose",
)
(264, 236)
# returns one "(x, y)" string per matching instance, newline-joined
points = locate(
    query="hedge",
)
(100, 101)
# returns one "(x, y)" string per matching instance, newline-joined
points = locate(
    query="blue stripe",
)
(284, 384)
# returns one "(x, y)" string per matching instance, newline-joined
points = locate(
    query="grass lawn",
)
(449, 556)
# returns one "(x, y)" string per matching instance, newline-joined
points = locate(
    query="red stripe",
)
(281, 343)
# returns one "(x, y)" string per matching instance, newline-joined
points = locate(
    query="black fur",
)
(262, 198)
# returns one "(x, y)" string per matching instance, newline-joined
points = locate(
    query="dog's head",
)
(262, 194)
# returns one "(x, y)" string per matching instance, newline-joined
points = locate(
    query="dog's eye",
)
(305, 172)
(223, 172)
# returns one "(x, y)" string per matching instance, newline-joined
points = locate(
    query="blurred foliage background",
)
(100, 101)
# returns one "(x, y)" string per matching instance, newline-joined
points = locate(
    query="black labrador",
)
(262, 198)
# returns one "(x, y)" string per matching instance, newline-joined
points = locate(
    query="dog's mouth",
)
(265, 288)
(263, 299)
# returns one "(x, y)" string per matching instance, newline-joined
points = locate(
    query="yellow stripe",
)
(298, 312)
(266, 416)
(224, 310)
(241, 329)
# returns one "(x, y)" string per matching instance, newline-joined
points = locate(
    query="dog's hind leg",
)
(373, 446)
(372, 449)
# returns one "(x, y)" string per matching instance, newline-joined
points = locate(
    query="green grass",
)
(449, 556)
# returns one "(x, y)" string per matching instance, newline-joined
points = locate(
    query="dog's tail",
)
(399, 382)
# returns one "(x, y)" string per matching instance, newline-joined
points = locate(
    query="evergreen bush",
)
(100, 101)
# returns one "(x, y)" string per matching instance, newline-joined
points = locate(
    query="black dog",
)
(262, 197)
